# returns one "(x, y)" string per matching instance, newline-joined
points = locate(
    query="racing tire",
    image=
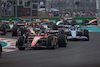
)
(86, 33)
(0, 50)
(51, 42)
(20, 43)
(3, 29)
(62, 40)
(27, 34)
(22, 30)
(14, 31)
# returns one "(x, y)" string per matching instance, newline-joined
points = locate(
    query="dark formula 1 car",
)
(42, 40)
(2, 29)
(7, 25)
(18, 29)
(0, 50)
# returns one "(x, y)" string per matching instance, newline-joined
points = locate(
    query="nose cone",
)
(73, 33)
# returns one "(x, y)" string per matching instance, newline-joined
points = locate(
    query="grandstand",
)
(29, 8)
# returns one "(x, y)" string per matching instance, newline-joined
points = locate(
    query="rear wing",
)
(52, 31)
(68, 26)
(20, 24)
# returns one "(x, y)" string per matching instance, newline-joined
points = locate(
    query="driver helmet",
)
(20, 18)
(27, 23)
(10, 19)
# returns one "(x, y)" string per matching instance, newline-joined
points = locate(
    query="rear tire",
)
(14, 31)
(26, 34)
(86, 33)
(62, 40)
(51, 42)
(20, 43)
(3, 30)
(22, 31)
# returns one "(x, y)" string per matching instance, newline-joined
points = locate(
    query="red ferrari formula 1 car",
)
(43, 39)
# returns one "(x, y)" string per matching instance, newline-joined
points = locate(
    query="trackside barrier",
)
(79, 20)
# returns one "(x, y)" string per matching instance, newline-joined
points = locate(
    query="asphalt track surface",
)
(76, 54)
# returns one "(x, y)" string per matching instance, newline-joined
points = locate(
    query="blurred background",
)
(48, 8)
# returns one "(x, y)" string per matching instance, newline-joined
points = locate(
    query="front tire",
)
(20, 43)
(86, 33)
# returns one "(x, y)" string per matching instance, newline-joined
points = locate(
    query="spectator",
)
(67, 15)
(83, 14)
(5, 7)
(9, 8)
(49, 14)
(74, 14)
(2, 7)
(56, 14)
(96, 14)
(42, 4)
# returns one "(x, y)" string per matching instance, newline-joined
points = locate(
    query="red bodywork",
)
(1, 32)
(36, 38)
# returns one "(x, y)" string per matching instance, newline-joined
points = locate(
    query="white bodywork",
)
(59, 22)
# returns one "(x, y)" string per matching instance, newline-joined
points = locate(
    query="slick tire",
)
(14, 31)
(20, 43)
(62, 40)
(22, 30)
(51, 42)
(26, 37)
(86, 33)
(3, 30)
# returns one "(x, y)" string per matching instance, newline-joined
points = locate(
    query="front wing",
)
(78, 37)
